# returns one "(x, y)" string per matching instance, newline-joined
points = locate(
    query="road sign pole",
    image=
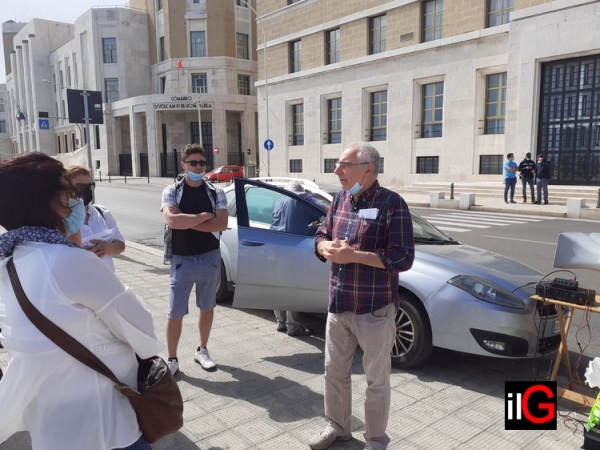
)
(86, 111)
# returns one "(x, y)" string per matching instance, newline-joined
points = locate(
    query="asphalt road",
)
(136, 208)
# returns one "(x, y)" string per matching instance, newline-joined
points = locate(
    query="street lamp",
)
(86, 112)
(259, 22)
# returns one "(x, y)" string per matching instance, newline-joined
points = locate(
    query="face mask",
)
(195, 176)
(511, 159)
(76, 219)
(87, 196)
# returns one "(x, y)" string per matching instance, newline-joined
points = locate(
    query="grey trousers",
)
(290, 318)
(375, 334)
(542, 189)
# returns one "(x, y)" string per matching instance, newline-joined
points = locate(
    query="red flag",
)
(179, 64)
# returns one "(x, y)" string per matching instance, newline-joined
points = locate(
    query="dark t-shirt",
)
(194, 200)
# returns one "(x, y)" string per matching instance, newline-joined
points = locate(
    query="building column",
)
(219, 129)
(17, 83)
(133, 138)
(153, 140)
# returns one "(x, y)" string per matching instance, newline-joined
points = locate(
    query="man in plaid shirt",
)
(367, 236)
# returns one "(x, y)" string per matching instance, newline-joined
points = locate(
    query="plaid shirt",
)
(171, 196)
(359, 288)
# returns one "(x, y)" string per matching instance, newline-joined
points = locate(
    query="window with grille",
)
(433, 110)
(199, 83)
(499, 11)
(243, 84)
(198, 43)
(377, 34)
(428, 164)
(109, 50)
(495, 104)
(295, 165)
(112, 89)
(379, 116)
(333, 46)
(241, 3)
(433, 16)
(1, 104)
(491, 164)
(295, 56)
(298, 124)
(330, 164)
(334, 121)
(158, 5)
(242, 45)
(2, 126)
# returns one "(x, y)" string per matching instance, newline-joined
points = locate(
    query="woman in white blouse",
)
(62, 403)
(99, 233)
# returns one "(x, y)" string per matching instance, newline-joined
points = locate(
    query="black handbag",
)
(157, 401)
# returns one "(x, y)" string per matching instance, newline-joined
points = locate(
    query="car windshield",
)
(425, 233)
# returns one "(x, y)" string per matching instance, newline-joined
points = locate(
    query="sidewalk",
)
(422, 200)
(267, 391)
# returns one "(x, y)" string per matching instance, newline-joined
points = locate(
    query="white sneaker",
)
(173, 366)
(203, 358)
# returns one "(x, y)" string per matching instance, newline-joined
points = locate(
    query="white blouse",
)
(101, 229)
(61, 402)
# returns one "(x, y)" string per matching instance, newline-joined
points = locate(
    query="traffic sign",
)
(44, 124)
(269, 144)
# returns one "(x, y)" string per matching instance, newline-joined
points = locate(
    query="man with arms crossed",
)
(368, 237)
(196, 212)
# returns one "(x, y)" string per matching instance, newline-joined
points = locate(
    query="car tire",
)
(223, 293)
(413, 341)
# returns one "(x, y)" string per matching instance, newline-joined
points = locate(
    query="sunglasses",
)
(80, 187)
(196, 162)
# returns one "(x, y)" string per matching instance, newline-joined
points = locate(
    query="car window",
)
(424, 231)
(230, 195)
(260, 202)
(294, 216)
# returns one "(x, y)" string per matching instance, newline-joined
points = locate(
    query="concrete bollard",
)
(434, 199)
(574, 207)
(466, 200)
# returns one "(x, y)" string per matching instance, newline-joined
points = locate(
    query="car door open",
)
(277, 268)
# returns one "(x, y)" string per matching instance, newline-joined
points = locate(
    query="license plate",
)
(555, 327)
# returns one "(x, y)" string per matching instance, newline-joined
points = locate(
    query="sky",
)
(59, 10)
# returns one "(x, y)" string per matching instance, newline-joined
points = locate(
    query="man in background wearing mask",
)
(196, 213)
(367, 236)
(527, 171)
(510, 177)
(542, 175)
(99, 231)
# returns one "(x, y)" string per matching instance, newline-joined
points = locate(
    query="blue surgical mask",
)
(76, 219)
(357, 186)
(195, 176)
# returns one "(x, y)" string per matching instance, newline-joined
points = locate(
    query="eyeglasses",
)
(196, 162)
(347, 165)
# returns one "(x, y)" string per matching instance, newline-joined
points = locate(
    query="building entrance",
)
(569, 124)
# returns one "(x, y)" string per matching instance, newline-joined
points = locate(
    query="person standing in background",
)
(527, 172)
(100, 233)
(510, 177)
(542, 175)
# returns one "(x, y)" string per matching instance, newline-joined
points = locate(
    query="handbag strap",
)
(60, 337)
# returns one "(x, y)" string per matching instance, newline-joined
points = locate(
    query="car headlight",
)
(487, 291)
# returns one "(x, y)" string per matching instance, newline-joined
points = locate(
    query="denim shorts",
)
(204, 271)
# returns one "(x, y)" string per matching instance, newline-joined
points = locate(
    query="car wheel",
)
(223, 293)
(413, 342)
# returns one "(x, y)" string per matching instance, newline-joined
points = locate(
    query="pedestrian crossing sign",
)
(44, 124)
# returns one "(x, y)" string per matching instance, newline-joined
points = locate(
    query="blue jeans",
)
(140, 444)
(509, 183)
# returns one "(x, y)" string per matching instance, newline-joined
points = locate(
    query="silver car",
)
(455, 296)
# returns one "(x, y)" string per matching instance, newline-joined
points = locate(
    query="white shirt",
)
(101, 229)
(62, 403)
